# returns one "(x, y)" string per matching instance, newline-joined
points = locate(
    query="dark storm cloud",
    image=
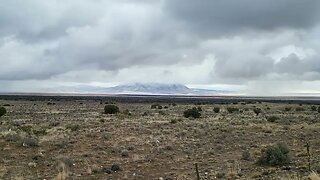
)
(225, 17)
(36, 20)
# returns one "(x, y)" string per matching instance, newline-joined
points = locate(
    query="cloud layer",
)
(205, 42)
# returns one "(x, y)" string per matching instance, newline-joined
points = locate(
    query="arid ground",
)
(75, 139)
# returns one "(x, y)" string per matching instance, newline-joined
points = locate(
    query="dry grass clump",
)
(314, 176)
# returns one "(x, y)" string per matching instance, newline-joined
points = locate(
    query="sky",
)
(265, 47)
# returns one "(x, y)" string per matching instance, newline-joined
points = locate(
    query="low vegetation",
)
(3, 111)
(232, 109)
(257, 111)
(111, 109)
(275, 155)
(194, 112)
(272, 118)
(216, 109)
(134, 144)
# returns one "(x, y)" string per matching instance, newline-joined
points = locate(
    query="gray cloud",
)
(206, 42)
(227, 17)
(300, 68)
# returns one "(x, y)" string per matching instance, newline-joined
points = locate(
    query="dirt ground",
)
(76, 140)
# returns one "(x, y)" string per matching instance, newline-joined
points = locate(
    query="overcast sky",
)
(265, 47)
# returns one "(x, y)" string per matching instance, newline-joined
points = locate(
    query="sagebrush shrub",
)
(232, 109)
(111, 109)
(3, 111)
(272, 118)
(299, 109)
(194, 112)
(287, 108)
(216, 109)
(275, 155)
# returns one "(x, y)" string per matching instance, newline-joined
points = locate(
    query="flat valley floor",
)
(76, 140)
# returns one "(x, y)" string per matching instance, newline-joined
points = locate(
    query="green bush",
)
(313, 108)
(275, 155)
(216, 109)
(111, 109)
(232, 109)
(3, 111)
(319, 109)
(194, 112)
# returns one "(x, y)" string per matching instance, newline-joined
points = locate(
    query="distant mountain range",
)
(153, 88)
(143, 88)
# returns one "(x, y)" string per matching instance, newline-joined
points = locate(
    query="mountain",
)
(150, 88)
(139, 88)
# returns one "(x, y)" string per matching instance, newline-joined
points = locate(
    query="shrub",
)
(73, 127)
(199, 109)
(257, 111)
(299, 109)
(246, 156)
(319, 109)
(111, 109)
(313, 108)
(194, 112)
(39, 132)
(26, 128)
(12, 137)
(275, 155)
(3, 111)
(272, 118)
(287, 109)
(216, 109)
(155, 106)
(173, 121)
(127, 112)
(232, 109)
(30, 142)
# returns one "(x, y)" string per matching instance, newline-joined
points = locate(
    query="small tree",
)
(3, 111)
(257, 111)
(111, 109)
(194, 112)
